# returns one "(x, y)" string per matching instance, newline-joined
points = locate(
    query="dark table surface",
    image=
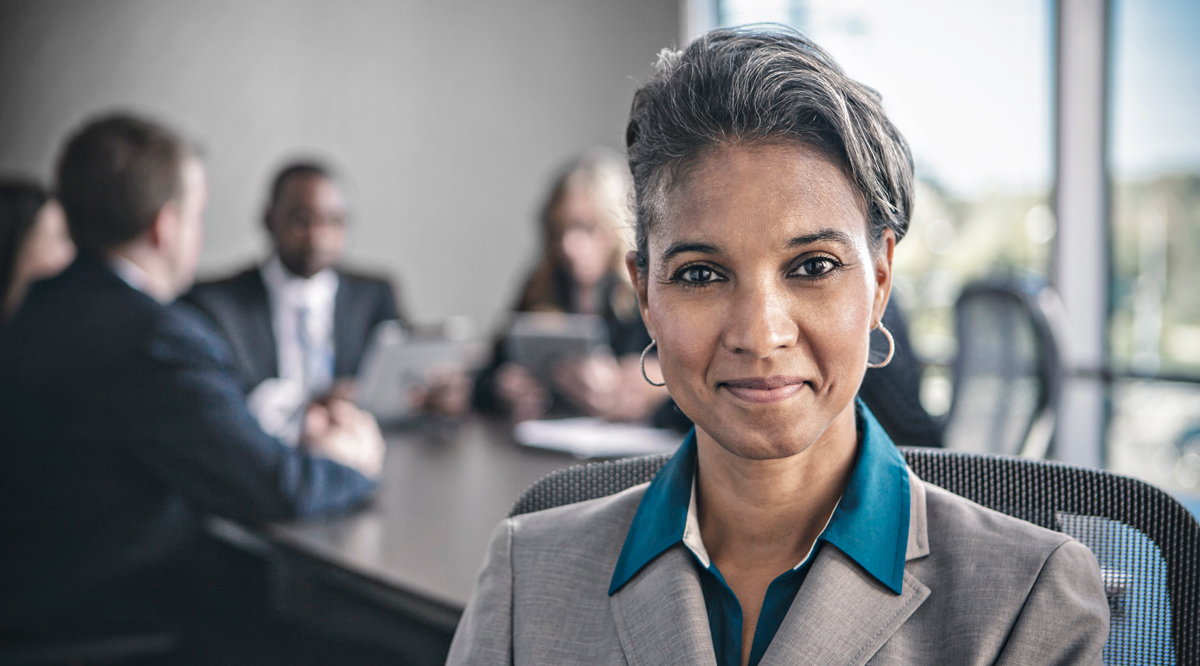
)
(441, 495)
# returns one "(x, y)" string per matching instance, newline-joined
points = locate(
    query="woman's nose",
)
(576, 245)
(760, 321)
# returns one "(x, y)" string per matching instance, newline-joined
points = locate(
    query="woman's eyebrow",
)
(684, 246)
(839, 237)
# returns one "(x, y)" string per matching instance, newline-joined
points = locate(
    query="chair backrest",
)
(1148, 545)
(585, 482)
(1008, 369)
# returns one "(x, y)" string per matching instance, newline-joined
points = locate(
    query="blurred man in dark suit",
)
(299, 324)
(122, 421)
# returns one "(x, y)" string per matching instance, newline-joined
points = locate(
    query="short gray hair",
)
(763, 84)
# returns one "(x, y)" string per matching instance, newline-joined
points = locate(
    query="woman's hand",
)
(591, 383)
(610, 388)
(525, 397)
(447, 393)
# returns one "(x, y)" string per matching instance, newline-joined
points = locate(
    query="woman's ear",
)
(640, 284)
(883, 274)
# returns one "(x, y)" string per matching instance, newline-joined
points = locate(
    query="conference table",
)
(398, 572)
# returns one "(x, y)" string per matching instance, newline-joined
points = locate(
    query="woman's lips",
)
(763, 389)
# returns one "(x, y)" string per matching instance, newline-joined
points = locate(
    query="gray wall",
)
(448, 117)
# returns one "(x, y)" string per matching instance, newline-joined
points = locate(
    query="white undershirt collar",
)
(695, 543)
(130, 273)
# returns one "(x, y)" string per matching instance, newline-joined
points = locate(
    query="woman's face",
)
(48, 248)
(761, 291)
(582, 241)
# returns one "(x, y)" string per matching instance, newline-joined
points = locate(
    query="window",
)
(969, 85)
(1154, 330)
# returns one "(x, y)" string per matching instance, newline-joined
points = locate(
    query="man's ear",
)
(883, 274)
(165, 229)
(268, 219)
(641, 288)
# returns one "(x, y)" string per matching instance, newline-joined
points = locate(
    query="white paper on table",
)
(592, 438)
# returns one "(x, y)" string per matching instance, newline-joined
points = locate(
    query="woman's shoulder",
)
(1041, 589)
(956, 522)
(590, 526)
(573, 521)
(543, 592)
(972, 550)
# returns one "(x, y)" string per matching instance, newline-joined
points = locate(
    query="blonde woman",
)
(585, 225)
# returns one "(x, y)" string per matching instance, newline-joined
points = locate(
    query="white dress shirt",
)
(130, 273)
(302, 318)
(302, 322)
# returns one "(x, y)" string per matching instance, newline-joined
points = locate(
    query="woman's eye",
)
(698, 274)
(816, 266)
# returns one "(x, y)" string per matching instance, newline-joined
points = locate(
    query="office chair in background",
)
(1148, 545)
(1008, 371)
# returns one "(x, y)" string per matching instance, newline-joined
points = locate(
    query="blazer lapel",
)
(842, 615)
(918, 524)
(260, 332)
(660, 614)
(343, 338)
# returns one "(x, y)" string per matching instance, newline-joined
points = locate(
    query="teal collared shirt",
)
(870, 525)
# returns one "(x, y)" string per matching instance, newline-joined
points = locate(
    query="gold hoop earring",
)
(644, 375)
(891, 349)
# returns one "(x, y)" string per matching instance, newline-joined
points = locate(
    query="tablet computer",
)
(539, 341)
(396, 362)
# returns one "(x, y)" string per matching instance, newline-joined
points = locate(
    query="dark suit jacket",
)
(239, 307)
(121, 423)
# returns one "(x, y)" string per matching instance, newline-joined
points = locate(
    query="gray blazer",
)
(979, 588)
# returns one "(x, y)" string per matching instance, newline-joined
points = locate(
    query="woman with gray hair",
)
(771, 191)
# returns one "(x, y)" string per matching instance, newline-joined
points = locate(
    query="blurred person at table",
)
(787, 528)
(299, 324)
(122, 423)
(585, 223)
(34, 242)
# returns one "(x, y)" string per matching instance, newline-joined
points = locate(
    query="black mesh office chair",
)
(1148, 545)
(1008, 370)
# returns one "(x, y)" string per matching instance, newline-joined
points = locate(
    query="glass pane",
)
(1155, 143)
(1155, 325)
(1154, 435)
(969, 85)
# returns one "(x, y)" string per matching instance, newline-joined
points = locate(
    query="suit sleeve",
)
(212, 302)
(1065, 617)
(194, 431)
(388, 307)
(484, 634)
